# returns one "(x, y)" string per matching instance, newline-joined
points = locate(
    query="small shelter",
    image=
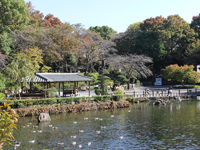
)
(60, 78)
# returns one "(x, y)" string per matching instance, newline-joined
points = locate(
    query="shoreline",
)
(22, 112)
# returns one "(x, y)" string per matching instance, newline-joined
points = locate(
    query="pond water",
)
(142, 126)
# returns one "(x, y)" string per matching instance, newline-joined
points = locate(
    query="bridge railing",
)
(162, 93)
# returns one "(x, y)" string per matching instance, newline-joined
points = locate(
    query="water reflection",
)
(171, 126)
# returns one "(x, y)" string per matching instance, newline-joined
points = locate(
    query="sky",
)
(116, 14)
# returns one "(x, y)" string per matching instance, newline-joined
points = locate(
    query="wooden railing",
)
(162, 93)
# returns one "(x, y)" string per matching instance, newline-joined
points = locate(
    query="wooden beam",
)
(89, 88)
(59, 88)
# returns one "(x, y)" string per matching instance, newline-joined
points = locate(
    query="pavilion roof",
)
(59, 77)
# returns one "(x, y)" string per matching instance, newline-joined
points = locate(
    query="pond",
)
(142, 126)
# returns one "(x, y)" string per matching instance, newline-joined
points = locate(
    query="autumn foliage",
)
(51, 21)
(181, 74)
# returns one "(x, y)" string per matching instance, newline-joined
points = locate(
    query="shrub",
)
(106, 98)
(119, 90)
(2, 95)
(50, 92)
(117, 97)
(35, 88)
(77, 100)
(98, 98)
(97, 91)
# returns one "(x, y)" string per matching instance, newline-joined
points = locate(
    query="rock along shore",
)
(72, 108)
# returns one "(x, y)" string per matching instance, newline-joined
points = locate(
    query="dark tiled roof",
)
(63, 77)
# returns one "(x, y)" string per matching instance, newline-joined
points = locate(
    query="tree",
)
(23, 66)
(176, 73)
(118, 77)
(107, 81)
(192, 53)
(51, 21)
(89, 49)
(125, 42)
(35, 55)
(149, 43)
(14, 15)
(194, 77)
(35, 16)
(177, 36)
(195, 24)
(8, 117)
(105, 31)
(3, 59)
(2, 82)
(132, 66)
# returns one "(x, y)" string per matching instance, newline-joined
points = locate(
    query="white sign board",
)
(158, 81)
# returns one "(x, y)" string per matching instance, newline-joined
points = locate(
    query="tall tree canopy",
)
(195, 24)
(105, 31)
(14, 14)
(35, 16)
(166, 40)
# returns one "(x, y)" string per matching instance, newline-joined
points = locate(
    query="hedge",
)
(60, 101)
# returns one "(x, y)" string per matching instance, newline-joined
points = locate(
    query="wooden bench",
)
(70, 92)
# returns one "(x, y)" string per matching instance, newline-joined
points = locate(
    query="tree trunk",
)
(128, 86)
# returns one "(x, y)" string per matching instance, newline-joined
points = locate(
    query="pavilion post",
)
(59, 88)
(45, 88)
(49, 84)
(89, 88)
(30, 87)
(63, 89)
(75, 88)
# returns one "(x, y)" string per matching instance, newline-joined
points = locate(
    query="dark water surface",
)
(172, 126)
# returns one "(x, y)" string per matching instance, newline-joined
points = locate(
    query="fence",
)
(162, 93)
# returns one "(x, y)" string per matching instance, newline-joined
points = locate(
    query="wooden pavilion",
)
(60, 78)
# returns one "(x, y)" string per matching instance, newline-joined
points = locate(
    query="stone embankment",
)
(72, 108)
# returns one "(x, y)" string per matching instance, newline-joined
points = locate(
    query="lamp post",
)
(102, 93)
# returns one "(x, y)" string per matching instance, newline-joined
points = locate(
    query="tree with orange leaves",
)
(51, 21)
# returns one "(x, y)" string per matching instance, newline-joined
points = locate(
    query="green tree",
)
(149, 43)
(176, 73)
(194, 77)
(177, 36)
(195, 24)
(2, 82)
(21, 67)
(118, 77)
(14, 14)
(105, 31)
(125, 42)
(192, 53)
(107, 80)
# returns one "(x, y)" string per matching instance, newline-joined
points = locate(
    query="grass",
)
(186, 86)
